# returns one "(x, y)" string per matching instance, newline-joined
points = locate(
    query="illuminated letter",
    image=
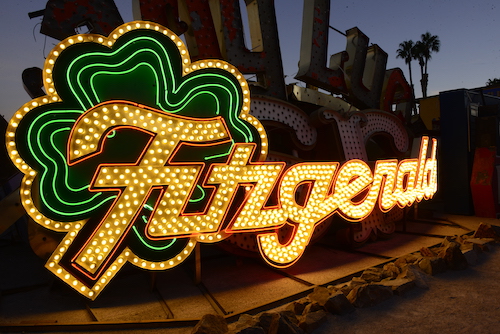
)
(429, 180)
(137, 179)
(405, 182)
(412, 179)
(258, 179)
(318, 207)
(353, 178)
(424, 143)
(385, 171)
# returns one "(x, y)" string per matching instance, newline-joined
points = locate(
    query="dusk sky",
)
(468, 30)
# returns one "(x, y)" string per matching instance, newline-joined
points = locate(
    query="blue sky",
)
(468, 30)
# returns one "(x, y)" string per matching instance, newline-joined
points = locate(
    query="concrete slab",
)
(470, 222)
(44, 305)
(245, 285)
(399, 245)
(430, 228)
(30, 294)
(129, 298)
(20, 267)
(181, 295)
(320, 265)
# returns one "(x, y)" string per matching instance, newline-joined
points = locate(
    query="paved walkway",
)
(456, 302)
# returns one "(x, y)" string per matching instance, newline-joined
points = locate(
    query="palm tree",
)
(423, 50)
(418, 54)
(493, 82)
(406, 52)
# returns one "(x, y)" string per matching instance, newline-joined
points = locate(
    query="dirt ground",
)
(466, 301)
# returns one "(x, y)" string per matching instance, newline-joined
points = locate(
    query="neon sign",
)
(137, 154)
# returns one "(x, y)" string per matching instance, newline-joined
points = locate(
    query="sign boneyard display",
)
(137, 153)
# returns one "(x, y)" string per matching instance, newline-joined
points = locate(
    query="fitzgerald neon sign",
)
(137, 154)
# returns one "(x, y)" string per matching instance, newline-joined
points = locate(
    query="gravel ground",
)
(466, 301)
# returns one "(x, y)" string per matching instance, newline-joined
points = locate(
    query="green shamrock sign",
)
(139, 75)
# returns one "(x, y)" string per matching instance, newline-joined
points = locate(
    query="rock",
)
(465, 246)
(244, 321)
(453, 256)
(480, 243)
(313, 320)
(369, 295)
(487, 231)
(399, 286)
(319, 295)
(391, 270)
(290, 315)
(433, 265)
(250, 330)
(287, 326)
(354, 282)
(427, 252)
(313, 307)
(345, 289)
(400, 262)
(408, 259)
(269, 321)
(446, 242)
(372, 275)
(332, 289)
(284, 322)
(470, 256)
(338, 304)
(211, 324)
(415, 274)
(298, 306)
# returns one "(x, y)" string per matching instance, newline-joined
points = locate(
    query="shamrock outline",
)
(28, 196)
